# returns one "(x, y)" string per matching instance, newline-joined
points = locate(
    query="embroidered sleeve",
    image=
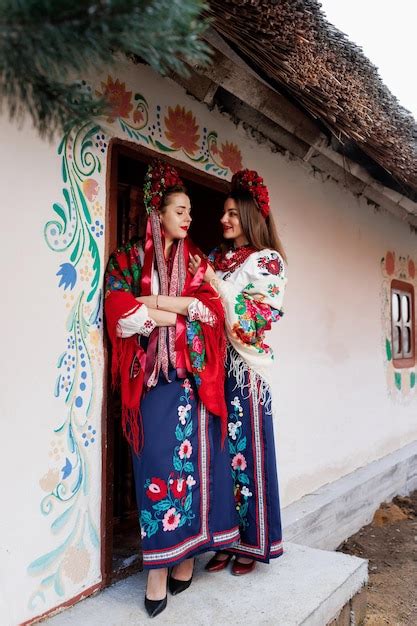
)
(198, 312)
(252, 298)
(137, 323)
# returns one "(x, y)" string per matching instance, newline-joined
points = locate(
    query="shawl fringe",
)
(240, 370)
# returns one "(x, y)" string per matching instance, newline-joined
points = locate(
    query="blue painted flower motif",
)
(67, 469)
(68, 275)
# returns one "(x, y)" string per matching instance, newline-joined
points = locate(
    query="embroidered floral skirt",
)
(184, 487)
(253, 464)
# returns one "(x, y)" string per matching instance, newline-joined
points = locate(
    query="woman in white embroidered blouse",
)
(250, 277)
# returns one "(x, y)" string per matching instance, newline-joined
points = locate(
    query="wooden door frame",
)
(117, 148)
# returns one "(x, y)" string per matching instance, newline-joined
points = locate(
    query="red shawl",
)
(122, 286)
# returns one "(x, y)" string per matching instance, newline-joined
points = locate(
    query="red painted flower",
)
(411, 268)
(157, 490)
(238, 495)
(231, 156)
(137, 116)
(390, 263)
(179, 487)
(182, 130)
(118, 99)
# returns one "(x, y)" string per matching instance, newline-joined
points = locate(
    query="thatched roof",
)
(292, 45)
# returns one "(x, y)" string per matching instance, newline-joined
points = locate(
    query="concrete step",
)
(305, 586)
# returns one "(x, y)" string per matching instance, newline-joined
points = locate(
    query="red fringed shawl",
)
(203, 357)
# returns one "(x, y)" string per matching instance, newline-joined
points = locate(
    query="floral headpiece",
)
(159, 177)
(249, 180)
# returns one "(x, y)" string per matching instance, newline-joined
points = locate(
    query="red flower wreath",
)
(159, 177)
(249, 180)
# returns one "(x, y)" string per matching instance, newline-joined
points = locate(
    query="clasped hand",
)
(194, 264)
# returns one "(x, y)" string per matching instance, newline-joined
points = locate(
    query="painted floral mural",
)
(75, 233)
(401, 382)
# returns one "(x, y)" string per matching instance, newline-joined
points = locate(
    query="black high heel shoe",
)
(155, 607)
(178, 586)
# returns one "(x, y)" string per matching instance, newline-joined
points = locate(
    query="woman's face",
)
(230, 221)
(176, 217)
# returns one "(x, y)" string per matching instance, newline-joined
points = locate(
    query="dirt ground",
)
(390, 544)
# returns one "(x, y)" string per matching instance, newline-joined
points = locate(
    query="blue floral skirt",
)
(184, 487)
(253, 462)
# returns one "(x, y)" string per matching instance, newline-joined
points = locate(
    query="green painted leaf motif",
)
(60, 359)
(66, 195)
(56, 388)
(74, 253)
(62, 520)
(388, 349)
(84, 204)
(412, 379)
(397, 379)
(183, 520)
(188, 502)
(188, 467)
(163, 505)
(96, 267)
(162, 147)
(64, 171)
(188, 430)
(47, 559)
(59, 210)
(59, 589)
(47, 582)
(178, 433)
(241, 445)
(177, 463)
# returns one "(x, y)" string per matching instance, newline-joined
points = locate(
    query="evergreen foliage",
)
(45, 43)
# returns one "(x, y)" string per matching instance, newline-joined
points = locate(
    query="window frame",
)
(401, 287)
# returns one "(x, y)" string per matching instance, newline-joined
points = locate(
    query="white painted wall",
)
(334, 411)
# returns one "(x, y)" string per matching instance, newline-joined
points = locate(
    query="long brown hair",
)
(260, 232)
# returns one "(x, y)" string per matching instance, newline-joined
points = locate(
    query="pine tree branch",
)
(44, 42)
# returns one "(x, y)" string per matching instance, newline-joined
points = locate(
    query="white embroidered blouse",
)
(252, 297)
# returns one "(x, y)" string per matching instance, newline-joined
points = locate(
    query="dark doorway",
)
(127, 219)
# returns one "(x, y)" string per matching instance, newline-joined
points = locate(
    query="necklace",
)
(233, 258)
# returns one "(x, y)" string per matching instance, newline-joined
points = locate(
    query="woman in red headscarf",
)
(166, 326)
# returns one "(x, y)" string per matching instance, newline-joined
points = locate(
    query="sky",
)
(386, 31)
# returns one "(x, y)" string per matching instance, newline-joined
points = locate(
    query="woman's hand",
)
(194, 264)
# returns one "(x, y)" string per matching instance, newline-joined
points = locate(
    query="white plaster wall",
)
(333, 409)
